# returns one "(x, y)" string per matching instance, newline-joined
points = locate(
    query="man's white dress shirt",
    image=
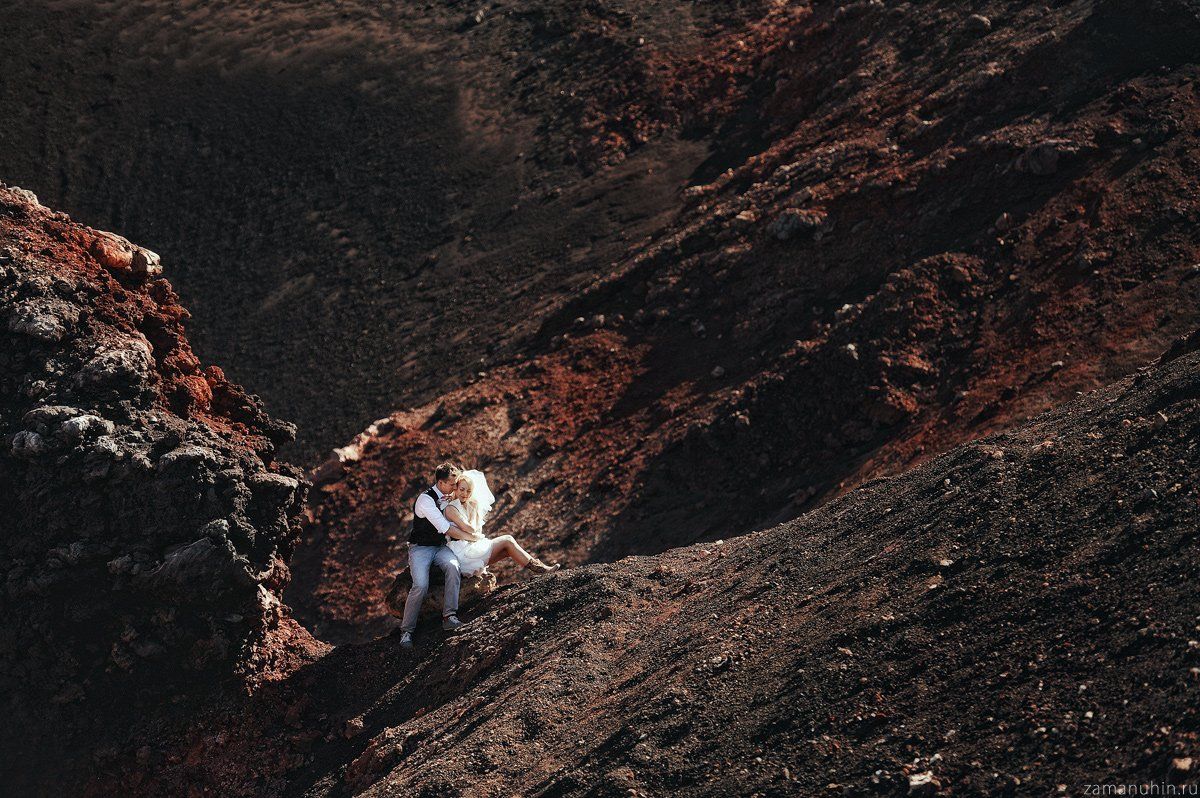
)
(431, 511)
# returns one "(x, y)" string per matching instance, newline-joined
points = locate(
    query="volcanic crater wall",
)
(919, 223)
(146, 523)
(324, 176)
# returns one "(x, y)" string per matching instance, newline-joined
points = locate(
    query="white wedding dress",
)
(473, 555)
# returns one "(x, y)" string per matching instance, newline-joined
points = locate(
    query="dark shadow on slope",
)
(293, 198)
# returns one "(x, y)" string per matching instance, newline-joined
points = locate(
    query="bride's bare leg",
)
(507, 546)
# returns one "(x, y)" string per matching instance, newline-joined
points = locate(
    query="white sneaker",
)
(451, 623)
(406, 640)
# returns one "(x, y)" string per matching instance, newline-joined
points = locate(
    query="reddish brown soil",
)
(670, 273)
(989, 235)
(1011, 617)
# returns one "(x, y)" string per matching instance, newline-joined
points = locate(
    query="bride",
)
(472, 502)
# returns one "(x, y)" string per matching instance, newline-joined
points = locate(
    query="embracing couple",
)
(448, 530)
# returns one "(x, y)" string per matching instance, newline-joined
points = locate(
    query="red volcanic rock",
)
(191, 395)
(112, 252)
(146, 530)
(123, 258)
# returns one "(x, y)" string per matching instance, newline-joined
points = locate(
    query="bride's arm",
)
(459, 528)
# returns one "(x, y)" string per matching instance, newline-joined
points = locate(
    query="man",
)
(427, 545)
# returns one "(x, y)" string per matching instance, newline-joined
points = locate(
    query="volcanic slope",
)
(1016, 615)
(361, 203)
(914, 228)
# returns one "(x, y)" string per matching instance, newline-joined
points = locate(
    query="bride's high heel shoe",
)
(537, 566)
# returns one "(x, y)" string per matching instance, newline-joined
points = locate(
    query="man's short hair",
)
(446, 471)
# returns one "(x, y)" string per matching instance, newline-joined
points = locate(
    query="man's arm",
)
(427, 508)
(458, 533)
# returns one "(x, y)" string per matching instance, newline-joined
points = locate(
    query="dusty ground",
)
(1014, 616)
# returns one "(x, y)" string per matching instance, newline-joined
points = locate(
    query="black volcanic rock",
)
(144, 532)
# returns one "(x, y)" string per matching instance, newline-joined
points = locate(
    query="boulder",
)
(794, 222)
(1042, 158)
(473, 587)
(121, 369)
(186, 458)
(145, 264)
(201, 570)
(29, 445)
(46, 418)
(977, 25)
(275, 488)
(112, 252)
(76, 429)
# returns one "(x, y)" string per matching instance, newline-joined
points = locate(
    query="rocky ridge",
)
(147, 524)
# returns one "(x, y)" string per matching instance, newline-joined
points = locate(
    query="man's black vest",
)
(424, 533)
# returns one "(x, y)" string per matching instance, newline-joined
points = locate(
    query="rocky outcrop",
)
(146, 522)
(478, 585)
